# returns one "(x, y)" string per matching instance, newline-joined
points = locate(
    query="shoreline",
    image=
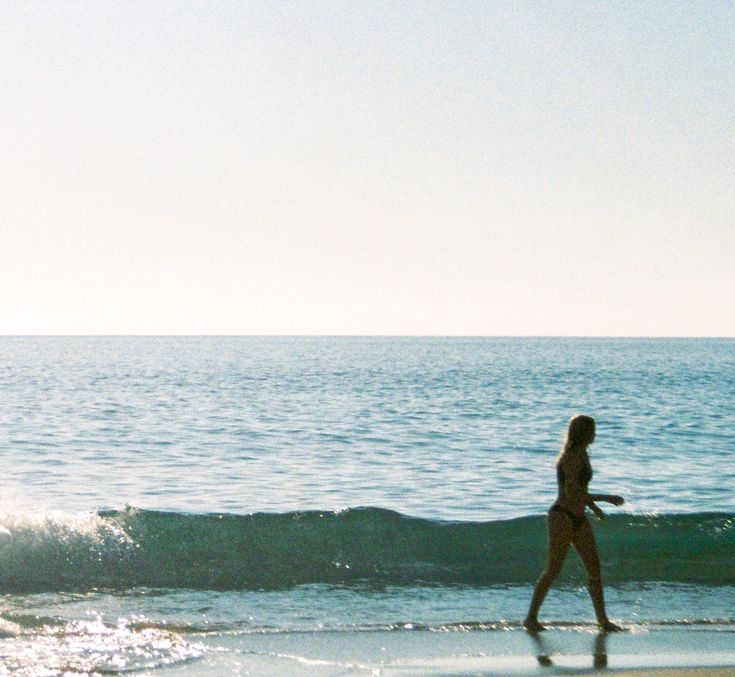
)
(641, 652)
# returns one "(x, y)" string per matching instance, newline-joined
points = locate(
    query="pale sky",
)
(409, 167)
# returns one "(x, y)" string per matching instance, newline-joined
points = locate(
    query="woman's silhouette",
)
(567, 524)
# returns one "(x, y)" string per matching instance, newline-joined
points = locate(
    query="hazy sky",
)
(410, 167)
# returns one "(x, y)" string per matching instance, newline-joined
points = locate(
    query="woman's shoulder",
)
(572, 458)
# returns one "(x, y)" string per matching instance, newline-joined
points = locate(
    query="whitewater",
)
(295, 505)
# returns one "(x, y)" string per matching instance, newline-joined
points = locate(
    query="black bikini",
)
(577, 520)
(585, 477)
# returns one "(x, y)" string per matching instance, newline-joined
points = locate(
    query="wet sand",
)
(707, 651)
(664, 672)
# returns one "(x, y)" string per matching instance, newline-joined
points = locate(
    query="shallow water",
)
(451, 442)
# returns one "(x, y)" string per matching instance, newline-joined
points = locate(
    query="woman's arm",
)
(606, 498)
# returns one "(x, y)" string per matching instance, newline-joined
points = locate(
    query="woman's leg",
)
(584, 544)
(560, 533)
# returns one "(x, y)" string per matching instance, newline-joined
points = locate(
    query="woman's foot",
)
(532, 625)
(607, 625)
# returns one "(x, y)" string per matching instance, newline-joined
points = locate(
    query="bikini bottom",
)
(577, 520)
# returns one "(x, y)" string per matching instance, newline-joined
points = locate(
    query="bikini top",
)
(585, 474)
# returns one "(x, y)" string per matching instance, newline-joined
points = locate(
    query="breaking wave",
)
(130, 548)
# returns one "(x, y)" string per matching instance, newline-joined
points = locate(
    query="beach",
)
(360, 339)
(505, 652)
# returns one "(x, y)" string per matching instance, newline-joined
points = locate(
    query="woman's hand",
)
(617, 500)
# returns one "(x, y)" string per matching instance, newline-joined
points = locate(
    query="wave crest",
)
(131, 548)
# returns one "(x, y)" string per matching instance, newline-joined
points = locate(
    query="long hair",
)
(579, 434)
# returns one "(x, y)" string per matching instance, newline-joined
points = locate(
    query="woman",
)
(567, 523)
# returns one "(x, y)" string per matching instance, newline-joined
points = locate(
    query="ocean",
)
(340, 506)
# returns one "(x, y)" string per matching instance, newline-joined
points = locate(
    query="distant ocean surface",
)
(205, 503)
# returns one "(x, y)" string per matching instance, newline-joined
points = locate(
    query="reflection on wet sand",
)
(598, 650)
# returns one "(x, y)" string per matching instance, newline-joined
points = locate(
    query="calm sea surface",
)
(132, 469)
(447, 428)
